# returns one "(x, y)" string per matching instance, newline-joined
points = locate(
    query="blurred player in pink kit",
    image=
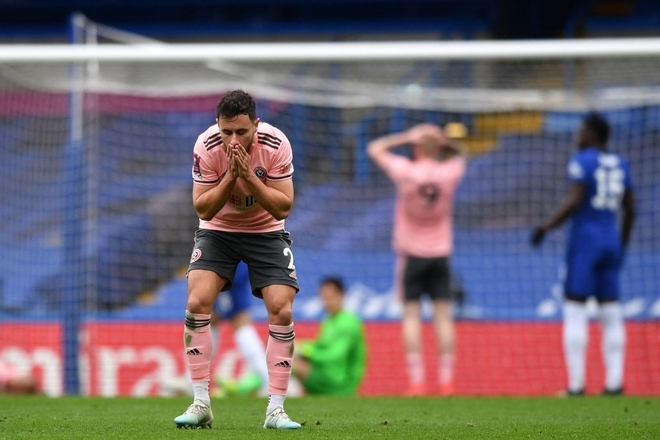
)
(423, 239)
(242, 192)
(12, 381)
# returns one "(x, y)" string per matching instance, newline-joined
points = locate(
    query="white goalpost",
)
(114, 121)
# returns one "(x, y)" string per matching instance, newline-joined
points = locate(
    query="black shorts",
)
(268, 257)
(429, 276)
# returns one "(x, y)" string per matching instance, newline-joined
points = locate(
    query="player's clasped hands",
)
(232, 170)
(238, 161)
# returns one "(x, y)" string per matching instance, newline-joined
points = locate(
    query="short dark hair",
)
(598, 126)
(236, 103)
(333, 281)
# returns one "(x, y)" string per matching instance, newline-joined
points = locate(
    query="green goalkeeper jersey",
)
(338, 356)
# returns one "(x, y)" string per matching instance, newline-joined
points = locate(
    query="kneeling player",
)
(333, 363)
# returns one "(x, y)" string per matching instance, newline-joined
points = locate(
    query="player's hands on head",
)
(538, 234)
(428, 136)
(423, 131)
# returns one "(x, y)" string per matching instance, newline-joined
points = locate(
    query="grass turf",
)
(337, 418)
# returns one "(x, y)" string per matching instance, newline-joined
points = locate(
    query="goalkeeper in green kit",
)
(333, 363)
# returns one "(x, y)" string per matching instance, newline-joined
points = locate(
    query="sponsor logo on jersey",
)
(242, 202)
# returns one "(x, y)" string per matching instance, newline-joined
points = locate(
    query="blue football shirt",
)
(593, 257)
(607, 177)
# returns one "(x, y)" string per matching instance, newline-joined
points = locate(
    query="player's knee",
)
(203, 288)
(281, 310)
(284, 316)
(199, 304)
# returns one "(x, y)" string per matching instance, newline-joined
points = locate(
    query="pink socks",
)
(198, 345)
(279, 357)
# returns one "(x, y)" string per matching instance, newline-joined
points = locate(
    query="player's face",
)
(331, 297)
(238, 130)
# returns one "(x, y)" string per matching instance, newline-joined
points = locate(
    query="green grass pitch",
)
(33, 417)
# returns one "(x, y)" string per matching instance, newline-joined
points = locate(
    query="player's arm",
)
(378, 148)
(208, 200)
(628, 205)
(576, 194)
(275, 196)
(425, 135)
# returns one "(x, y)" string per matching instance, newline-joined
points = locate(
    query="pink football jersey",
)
(424, 203)
(271, 158)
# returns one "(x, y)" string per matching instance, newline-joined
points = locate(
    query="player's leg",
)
(303, 381)
(612, 322)
(203, 286)
(411, 326)
(302, 368)
(208, 274)
(443, 324)
(613, 346)
(410, 283)
(273, 277)
(320, 379)
(439, 288)
(279, 353)
(579, 285)
(575, 338)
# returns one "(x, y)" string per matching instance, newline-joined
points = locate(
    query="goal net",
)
(98, 222)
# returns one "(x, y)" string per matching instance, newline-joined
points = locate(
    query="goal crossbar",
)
(336, 51)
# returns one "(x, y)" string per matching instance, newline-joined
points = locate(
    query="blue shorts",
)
(237, 299)
(593, 271)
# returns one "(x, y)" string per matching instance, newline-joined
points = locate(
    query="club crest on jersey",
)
(260, 173)
(196, 171)
(195, 255)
